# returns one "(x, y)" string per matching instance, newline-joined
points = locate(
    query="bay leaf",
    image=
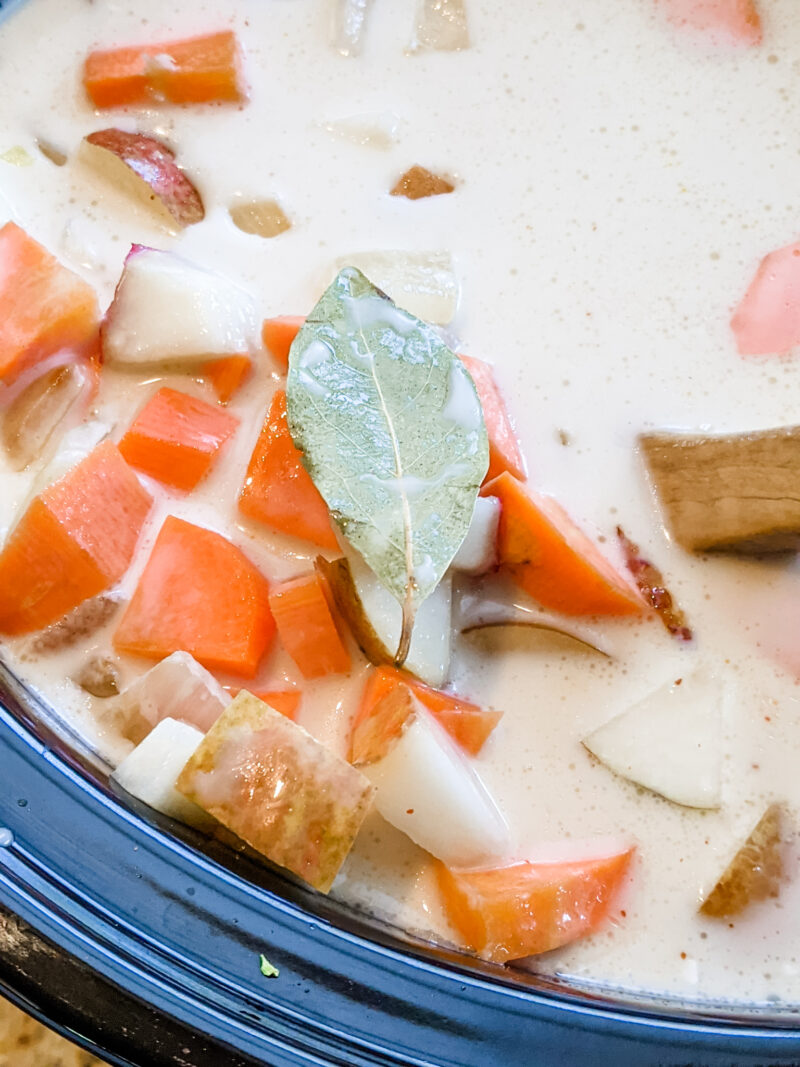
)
(392, 434)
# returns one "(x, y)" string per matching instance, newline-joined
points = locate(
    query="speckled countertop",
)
(26, 1043)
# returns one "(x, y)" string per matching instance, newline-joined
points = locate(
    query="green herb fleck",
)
(267, 968)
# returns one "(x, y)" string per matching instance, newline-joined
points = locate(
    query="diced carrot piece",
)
(466, 723)
(724, 21)
(75, 540)
(227, 375)
(278, 490)
(307, 626)
(552, 559)
(767, 320)
(195, 70)
(278, 334)
(506, 913)
(286, 701)
(199, 594)
(43, 306)
(175, 438)
(504, 450)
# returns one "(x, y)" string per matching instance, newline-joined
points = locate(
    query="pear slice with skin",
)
(670, 742)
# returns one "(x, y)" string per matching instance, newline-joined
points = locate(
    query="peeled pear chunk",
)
(149, 772)
(731, 492)
(670, 742)
(176, 688)
(428, 789)
(375, 619)
(273, 784)
(168, 310)
(423, 283)
(478, 551)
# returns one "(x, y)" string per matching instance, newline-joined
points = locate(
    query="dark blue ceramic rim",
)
(141, 941)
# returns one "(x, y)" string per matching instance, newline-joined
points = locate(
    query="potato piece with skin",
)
(281, 791)
(150, 771)
(733, 492)
(755, 872)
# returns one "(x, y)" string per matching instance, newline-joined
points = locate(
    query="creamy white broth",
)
(616, 185)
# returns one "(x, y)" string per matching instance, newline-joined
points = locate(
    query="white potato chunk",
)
(167, 310)
(430, 791)
(478, 551)
(151, 770)
(670, 742)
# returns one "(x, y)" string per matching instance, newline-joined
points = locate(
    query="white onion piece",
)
(441, 26)
(430, 791)
(349, 22)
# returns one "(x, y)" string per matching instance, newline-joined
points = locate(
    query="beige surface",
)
(26, 1043)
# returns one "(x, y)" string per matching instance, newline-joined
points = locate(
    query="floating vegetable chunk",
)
(77, 625)
(504, 450)
(417, 183)
(755, 872)
(176, 688)
(767, 320)
(144, 169)
(423, 283)
(176, 438)
(168, 310)
(467, 724)
(151, 770)
(99, 676)
(441, 26)
(425, 786)
(288, 796)
(507, 913)
(478, 551)
(278, 490)
(227, 375)
(349, 24)
(376, 619)
(650, 583)
(195, 70)
(553, 560)
(722, 21)
(199, 593)
(400, 468)
(285, 701)
(278, 334)
(307, 626)
(74, 541)
(737, 492)
(43, 306)
(378, 129)
(262, 218)
(669, 742)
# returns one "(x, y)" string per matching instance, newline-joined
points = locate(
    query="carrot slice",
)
(307, 626)
(767, 321)
(286, 701)
(506, 913)
(504, 450)
(199, 594)
(723, 21)
(175, 438)
(553, 560)
(75, 540)
(278, 490)
(43, 306)
(466, 723)
(278, 334)
(227, 375)
(195, 70)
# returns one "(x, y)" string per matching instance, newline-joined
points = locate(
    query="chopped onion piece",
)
(441, 27)
(349, 22)
(378, 129)
(423, 283)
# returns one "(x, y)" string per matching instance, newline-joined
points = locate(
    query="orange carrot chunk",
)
(506, 913)
(278, 490)
(504, 450)
(307, 626)
(278, 334)
(466, 723)
(285, 701)
(553, 560)
(227, 375)
(43, 306)
(721, 21)
(196, 70)
(175, 438)
(74, 541)
(199, 594)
